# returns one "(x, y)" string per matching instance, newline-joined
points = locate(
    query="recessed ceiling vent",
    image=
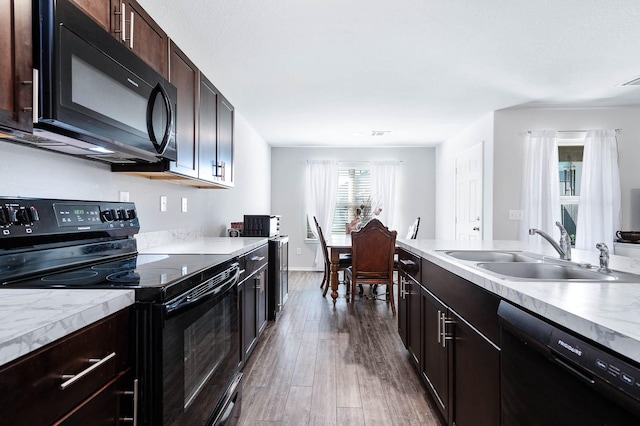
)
(384, 132)
(634, 82)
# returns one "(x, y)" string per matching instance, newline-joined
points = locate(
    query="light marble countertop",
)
(207, 245)
(31, 319)
(608, 313)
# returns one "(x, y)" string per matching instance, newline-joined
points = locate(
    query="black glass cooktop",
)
(153, 276)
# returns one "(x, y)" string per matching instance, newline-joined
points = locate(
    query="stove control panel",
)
(32, 217)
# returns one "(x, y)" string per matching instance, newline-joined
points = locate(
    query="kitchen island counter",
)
(607, 313)
(31, 319)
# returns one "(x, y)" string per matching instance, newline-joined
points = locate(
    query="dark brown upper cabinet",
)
(208, 130)
(215, 136)
(225, 141)
(16, 65)
(128, 22)
(185, 76)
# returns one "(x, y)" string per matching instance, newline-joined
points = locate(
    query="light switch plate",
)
(184, 204)
(515, 214)
(163, 203)
(123, 196)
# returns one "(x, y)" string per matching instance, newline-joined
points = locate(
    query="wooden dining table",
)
(337, 245)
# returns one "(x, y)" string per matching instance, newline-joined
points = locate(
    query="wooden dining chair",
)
(343, 263)
(372, 251)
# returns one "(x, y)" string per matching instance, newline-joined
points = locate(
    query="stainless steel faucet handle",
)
(563, 231)
(604, 257)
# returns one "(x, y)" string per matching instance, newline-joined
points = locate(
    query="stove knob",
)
(122, 214)
(23, 216)
(4, 216)
(132, 214)
(12, 211)
(33, 214)
(107, 216)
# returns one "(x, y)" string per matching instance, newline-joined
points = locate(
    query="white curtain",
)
(540, 187)
(384, 176)
(322, 189)
(599, 209)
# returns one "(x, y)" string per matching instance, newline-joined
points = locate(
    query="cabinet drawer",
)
(256, 259)
(36, 389)
(410, 264)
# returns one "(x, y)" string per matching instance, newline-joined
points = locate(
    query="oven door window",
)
(200, 357)
(206, 343)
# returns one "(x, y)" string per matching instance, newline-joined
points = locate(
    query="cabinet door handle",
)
(131, 32)
(134, 393)
(403, 288)
(95, 364)
(446, 337)
(123, 21)
(439, 327)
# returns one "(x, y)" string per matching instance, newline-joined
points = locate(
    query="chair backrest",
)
(373, 248)
(412, 233)
(323, 242)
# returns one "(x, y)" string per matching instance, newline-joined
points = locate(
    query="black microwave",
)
(95, 97)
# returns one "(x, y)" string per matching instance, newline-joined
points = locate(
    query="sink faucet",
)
(564, 248)
(604, 257)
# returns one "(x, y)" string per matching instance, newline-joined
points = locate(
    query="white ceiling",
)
(329, 72)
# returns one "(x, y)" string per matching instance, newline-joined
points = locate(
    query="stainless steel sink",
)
(492, 256)
(521, 265)
(548, 272)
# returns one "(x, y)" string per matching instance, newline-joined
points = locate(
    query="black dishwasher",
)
(551, 377)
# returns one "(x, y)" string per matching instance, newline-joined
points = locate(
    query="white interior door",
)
(468, 187)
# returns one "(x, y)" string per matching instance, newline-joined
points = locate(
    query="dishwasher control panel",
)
(614, 371)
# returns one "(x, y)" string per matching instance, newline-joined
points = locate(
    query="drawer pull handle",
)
(257, 258)
(74, 378)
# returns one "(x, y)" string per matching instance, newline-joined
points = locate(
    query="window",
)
(354, 191)
(570, 153)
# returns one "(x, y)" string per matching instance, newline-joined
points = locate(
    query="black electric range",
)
(185, 332)
(88, 244)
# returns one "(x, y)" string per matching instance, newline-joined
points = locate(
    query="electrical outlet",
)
(515, 214)
(163, 203)
(123, 196)
(298, 250)
(184, 204)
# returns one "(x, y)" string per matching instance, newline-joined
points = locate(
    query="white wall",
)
(30, 172)
(446, 153)
(510, 138)
(288, 174)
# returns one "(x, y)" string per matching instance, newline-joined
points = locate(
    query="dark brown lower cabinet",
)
(252, 296)
(108, 406)
(476, 376)
(447, 321)
(414, 332)
(435, 360)
(37, 390)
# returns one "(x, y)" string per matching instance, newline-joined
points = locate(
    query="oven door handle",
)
(198, 295)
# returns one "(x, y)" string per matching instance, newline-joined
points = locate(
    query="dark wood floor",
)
(323, 366)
